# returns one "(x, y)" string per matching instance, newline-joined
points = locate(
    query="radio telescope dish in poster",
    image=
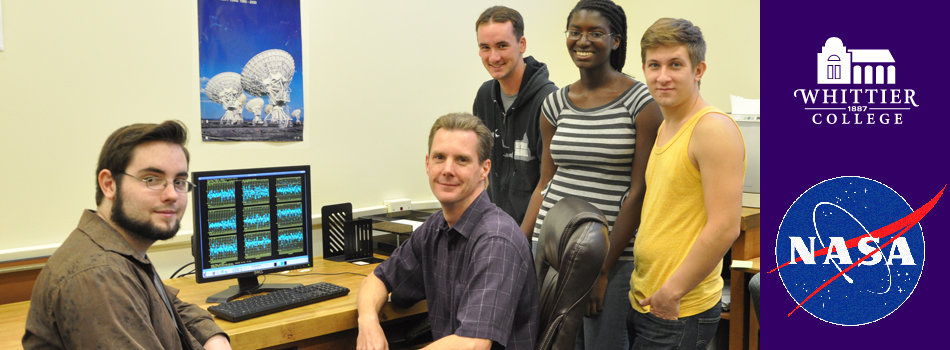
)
(296, 114)
(269, 73)
(225, 89)
(255, 105)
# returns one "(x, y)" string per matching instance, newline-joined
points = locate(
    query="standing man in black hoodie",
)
(509, 105)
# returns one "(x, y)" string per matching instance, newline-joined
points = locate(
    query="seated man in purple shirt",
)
(469, 261)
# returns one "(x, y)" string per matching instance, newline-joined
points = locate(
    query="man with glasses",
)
(99, 289)
(509, 105)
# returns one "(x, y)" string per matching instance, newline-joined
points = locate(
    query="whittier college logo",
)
(872, 97)
(850, 250)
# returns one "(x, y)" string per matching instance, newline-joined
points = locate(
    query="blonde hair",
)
(671, 32)
(465, 122)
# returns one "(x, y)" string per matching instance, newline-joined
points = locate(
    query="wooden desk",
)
(746, 247)
(328, 324)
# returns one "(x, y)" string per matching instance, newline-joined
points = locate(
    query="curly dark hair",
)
(618, 26)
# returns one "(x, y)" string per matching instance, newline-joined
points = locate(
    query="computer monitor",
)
(250, 222)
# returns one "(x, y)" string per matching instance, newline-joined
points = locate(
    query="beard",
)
(141, 228)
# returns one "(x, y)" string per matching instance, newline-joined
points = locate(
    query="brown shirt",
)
(97, 292)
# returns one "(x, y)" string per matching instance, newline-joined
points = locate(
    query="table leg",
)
(737, 310)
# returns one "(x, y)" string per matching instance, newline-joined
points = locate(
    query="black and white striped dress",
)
(593, 149)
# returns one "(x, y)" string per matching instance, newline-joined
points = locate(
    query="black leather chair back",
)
(571, 251)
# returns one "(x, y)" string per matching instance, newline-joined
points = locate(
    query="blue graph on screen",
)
(220, 193)
(256, 191)
(256, 218)
(290, 241)
(222, 221)
(222, 249)
(289, 189)
(289, 215)
(257, 245)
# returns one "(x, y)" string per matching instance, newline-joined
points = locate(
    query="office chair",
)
(571, 252)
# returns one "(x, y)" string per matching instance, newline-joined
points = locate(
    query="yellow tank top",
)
(672, 218)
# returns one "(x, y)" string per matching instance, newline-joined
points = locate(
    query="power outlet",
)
(394, 205)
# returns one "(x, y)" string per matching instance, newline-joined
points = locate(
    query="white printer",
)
(749, 126)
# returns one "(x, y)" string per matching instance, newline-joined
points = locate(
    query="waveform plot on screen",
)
(256, 191)
(222, 221)
(289, 189)
(290, 240)
(222, 249)
(289, 215)
(256, 218)
(220, 193)
(256, 245)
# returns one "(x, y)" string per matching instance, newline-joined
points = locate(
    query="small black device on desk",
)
(265, 304)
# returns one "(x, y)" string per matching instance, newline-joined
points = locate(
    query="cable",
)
(181, 268)
(259, 284)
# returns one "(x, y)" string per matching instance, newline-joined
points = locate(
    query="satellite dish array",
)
(267, 74)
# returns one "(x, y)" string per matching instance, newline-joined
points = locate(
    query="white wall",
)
(376, 75)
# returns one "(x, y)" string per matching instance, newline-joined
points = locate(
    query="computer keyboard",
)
(265, 304)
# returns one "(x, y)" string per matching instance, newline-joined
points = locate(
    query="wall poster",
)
(251, 70)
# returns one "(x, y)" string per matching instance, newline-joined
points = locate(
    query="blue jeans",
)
(648, 332)
(606, 331)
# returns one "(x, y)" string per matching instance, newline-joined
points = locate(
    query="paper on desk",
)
(413, 223)
(742, 105)
(741, 264)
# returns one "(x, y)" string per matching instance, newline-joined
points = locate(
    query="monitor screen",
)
(250, 222)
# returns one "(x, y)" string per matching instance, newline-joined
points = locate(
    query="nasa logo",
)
(859, 230)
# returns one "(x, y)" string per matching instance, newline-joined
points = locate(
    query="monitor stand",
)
(248, 286)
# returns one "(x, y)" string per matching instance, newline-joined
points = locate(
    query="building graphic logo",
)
(838, 65)
(855, 87)
(850, 250)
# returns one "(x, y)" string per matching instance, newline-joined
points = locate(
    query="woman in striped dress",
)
(598, 133)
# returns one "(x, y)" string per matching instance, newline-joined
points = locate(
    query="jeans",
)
(606, 331)
(648, 332)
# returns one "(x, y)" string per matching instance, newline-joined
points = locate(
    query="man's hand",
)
(218, 342)
(596, 303)
(663, 304)
(371, 336)
(369, 301)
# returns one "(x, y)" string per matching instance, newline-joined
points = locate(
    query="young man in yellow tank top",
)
(692, 205)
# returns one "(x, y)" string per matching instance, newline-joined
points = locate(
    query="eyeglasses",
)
(159, 183)
(591, 36)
